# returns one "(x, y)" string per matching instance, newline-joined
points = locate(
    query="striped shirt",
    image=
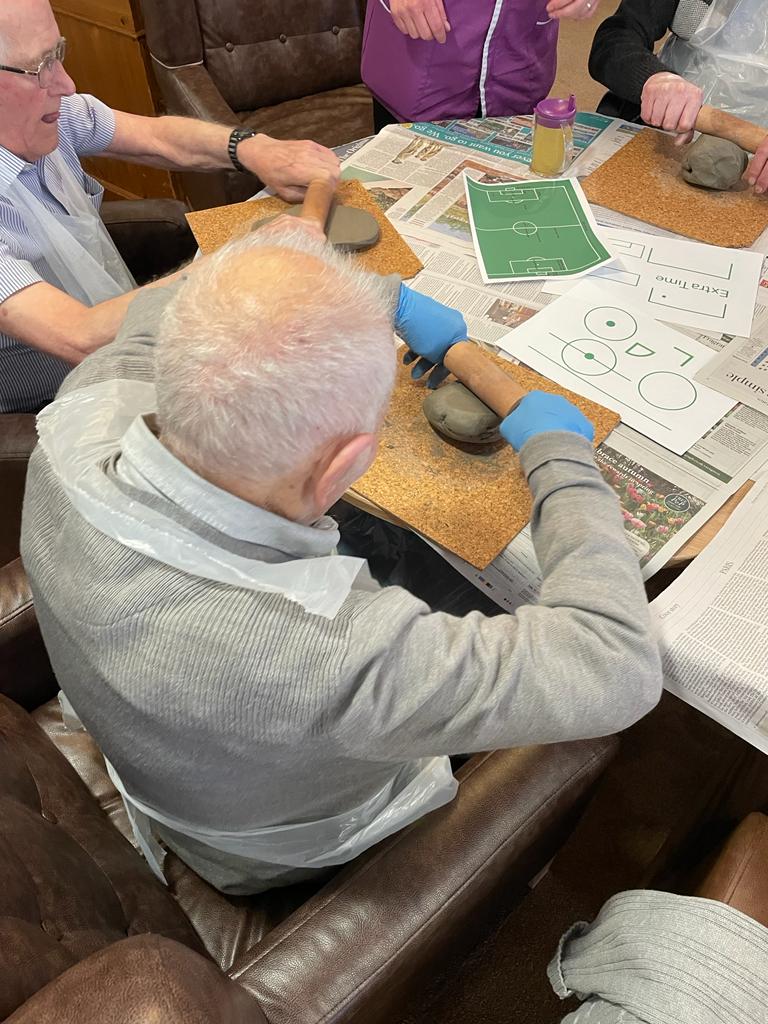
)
(30, 378)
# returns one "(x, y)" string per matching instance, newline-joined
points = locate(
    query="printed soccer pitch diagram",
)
(536, 229)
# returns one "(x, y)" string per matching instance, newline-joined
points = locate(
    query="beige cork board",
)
(391, 254)
(643, 180)
(470, 500)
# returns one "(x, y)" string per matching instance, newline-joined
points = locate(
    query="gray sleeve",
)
(582, 662)
(131, 355)
(391, 288)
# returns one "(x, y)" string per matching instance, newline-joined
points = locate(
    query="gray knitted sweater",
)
(236, 709)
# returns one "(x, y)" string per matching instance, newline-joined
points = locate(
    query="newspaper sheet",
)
(740, 371)
(453, 277)
(510, 138)
(712, 625)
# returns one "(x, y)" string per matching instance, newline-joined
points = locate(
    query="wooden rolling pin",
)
(469, 364)
(723, 125)
(318, 200)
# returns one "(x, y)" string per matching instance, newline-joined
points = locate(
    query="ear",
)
(339, 470)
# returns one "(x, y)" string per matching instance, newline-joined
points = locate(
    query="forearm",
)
(581, 662)
(173, 143)
(622, 56)
(186, 144)
(592, 608)
(131, 355)
(48, 319)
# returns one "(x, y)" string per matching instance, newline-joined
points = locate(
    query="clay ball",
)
(457, 413)
(714, 163)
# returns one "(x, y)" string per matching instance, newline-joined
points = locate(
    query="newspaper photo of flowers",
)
(653, 509)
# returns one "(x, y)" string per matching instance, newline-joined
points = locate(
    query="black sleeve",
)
(622, 56)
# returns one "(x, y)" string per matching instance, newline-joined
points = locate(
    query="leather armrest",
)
(365, 942)
(26, 675)
(141, 979)
(17, 439)
(739, 876)
(136, 213)
(18, 436)
(152, 235)
(191, 92)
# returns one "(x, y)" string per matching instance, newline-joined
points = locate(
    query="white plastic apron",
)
(76, 246)
(727, 57)
(312, 844)
(81, 430)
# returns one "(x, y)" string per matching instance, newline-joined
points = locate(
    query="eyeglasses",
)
(46, 68)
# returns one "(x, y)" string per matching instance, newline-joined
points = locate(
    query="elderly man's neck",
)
(289, 497)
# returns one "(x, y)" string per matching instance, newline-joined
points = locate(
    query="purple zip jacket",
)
(500, 58)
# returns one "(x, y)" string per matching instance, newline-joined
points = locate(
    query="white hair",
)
(272, 348)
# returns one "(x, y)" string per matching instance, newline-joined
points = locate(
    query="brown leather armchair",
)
(287, 68)
(739, 876)
(87, 933)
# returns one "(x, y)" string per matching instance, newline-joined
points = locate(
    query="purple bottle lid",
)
(554, 113)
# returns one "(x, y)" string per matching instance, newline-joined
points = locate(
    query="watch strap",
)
(236, 137)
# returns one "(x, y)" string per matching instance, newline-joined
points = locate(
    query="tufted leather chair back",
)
(70, 885)
(262, 52)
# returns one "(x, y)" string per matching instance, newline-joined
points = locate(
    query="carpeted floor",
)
(572, 54)
(679, 784)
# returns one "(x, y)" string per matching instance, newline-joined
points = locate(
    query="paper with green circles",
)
(528, 230)
(623, 359)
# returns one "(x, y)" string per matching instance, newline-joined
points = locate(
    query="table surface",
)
(685, 554)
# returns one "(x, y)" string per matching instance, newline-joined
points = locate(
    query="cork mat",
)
(643, 180)
(391, 254)
(470, 500)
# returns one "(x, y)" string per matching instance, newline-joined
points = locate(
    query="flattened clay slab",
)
(472, 503)
(644, 180)
(348, 229)
(390, 255)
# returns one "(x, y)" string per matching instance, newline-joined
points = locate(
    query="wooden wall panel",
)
(106, 56)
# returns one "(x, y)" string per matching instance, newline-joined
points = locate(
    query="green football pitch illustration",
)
(533, 229)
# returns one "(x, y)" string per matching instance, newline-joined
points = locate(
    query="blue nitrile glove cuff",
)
(540, 412)
(426, 326)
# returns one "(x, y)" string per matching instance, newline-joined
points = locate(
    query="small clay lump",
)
(458, 414)
(714, 163)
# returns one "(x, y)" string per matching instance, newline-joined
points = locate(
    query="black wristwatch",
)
(237, 136)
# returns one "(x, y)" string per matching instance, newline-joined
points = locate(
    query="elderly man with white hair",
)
(265, 708)
(64, 288)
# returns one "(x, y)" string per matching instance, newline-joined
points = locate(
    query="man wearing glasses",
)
(64, 288)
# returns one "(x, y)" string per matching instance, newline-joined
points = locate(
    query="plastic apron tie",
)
(76, 246)
(312, 844)
(726, 56)
(81, 430)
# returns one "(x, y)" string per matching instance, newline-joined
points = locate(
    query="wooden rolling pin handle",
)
(318, 201)
(723, 125)
(489, 382)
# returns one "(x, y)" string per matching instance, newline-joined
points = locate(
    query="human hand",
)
(540, 412)
(671, 103)
(575, 10)
(288, 167)
(420, 19)
(429, 329)
(757, 169)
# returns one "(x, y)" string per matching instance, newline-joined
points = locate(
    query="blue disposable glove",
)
(429, 329)
(539, 412)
